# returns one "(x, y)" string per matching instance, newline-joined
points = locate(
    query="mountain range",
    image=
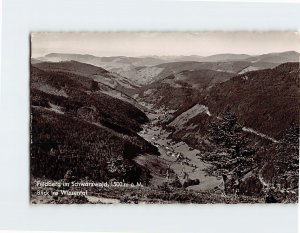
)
(89, 113)
(143, 70)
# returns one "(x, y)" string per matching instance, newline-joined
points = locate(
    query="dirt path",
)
(188, 161)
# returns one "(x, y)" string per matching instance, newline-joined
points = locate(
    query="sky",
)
(105, 44)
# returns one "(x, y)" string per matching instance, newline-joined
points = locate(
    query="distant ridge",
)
(276, 57)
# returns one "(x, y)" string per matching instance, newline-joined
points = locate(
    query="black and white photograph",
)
(164, 117)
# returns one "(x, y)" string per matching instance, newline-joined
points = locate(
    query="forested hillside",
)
(221, 128)
(78, 129)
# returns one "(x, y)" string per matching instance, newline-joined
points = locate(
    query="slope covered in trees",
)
(78, 129)
(254, 146)
(98, 74)
(249, 168)
(178, 90)
(266, 100)
(241, 129)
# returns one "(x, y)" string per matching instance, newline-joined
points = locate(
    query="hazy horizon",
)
(150, 55)
(143, 44)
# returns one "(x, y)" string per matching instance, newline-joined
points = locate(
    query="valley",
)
(178, 157)
(190, 129)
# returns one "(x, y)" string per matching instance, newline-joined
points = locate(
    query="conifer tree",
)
(233, 156)
(287, 158)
